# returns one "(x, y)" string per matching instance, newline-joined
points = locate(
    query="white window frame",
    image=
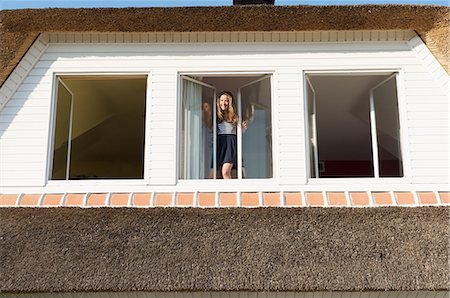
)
(235, 184)
(52, 119)
(404, 143)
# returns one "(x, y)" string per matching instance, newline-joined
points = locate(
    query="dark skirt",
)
(227, 149)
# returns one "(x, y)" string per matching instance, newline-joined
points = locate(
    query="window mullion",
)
(313, 138)
(239, 137)
(215, 135)
(69, 138)
(373, 131)
(69, 142)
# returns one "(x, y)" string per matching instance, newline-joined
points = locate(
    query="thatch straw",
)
(271, 249)
(18, 28)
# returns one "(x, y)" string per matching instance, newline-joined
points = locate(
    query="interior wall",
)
(231, 84)
(89, 107)
(62, 122)
(343, 121)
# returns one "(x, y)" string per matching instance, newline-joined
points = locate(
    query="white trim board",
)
(430, 62)
(228, 36)
(103, 186)
(22, 69)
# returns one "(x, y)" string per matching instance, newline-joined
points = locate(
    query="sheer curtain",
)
(192, 99)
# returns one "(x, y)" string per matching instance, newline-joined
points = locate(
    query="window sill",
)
(365, 180)
(95, 182)
(232, 185)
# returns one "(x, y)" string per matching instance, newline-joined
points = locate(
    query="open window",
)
(354, 128)
(198, 128)
(99, 128)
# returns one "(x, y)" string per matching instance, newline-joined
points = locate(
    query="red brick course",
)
(229, 199)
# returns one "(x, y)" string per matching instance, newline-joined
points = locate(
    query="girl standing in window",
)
(228, 120)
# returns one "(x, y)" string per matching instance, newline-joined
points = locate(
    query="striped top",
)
(226, 128)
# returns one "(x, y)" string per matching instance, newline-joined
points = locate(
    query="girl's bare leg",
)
(226, 170)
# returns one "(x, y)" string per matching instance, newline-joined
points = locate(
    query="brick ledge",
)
(229, 199)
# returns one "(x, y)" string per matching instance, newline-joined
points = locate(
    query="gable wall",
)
(25, 119)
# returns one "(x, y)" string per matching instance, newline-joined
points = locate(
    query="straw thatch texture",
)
(19, 27)
(265, 249)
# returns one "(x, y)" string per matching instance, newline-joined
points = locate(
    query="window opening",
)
(199, 142)
(353, 125)
(99, 128)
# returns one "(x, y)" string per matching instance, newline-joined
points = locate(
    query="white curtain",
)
(192, 97)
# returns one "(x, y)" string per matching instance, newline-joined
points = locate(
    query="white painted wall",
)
(25, 120)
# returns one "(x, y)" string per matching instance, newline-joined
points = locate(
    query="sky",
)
(17, 4)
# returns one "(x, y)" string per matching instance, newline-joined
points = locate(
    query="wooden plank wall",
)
(26, 98)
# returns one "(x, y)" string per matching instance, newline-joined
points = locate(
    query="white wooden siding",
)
(290, 133)
(427, 94)
(25, 118)
(24, 126)
(163, 126)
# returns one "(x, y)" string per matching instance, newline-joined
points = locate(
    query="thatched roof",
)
(261, 249)
(18, 28)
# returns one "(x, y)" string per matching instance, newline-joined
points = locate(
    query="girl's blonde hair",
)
(231, 114)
